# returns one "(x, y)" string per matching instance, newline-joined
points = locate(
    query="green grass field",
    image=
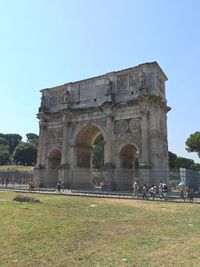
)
(83, 231)
(15, 168)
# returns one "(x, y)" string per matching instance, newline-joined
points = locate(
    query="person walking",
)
(190, 193)
(182, 195)
(144, 192)
(59, 186)
(135, 188)
(153, 191)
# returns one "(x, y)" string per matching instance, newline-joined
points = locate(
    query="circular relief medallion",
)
(134, 125)
(121, 127)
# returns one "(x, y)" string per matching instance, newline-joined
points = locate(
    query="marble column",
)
(42, 144)
(108, 142)
(64, 172)
(39, 151)
(65, 140)
(40, 172)
(145, 164)
(109, 183)
(44, 138)
(145, 142)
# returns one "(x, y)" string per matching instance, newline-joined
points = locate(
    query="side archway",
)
(128, 165)
(128, 156)
(54, 162)
(54, 159)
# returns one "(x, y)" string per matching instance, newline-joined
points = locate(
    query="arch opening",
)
(54, 159)
(89, 147)
(89, 156)
(128, 157)
(129, 172)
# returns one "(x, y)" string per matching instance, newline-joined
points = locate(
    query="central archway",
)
(85, 143)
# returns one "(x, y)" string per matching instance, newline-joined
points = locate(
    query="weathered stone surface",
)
(128, 107)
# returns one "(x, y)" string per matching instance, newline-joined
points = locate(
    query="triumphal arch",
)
(127, 107)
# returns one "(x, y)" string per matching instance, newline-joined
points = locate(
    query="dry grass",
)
(15, 168)
(78, 231)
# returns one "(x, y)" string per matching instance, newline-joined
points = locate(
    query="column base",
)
(65, 175)
(109, 180)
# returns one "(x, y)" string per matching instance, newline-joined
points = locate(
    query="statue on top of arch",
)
(141, 83)
(66, 98)
(42, 103)
(109, 90)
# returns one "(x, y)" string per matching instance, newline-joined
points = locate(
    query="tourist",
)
(2, 182)
(160, 191)
(135, 188)
(144, 192)
(190, 193)
(59, 186)
(182, 195)
(164, 191)
(31, 186)
(153, 191)
(7, 182)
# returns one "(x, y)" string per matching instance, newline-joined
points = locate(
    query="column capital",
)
(109, 116)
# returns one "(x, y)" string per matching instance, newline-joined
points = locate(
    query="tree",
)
(193, 143)
(32, 138)
(2, 135)
(3, 141)
(4, 154)
(184, 163)
(172, 160)
(98, 156)
(13, 141)
(196, 166)
(25, 153)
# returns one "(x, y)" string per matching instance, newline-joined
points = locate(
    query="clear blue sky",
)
(51, 42)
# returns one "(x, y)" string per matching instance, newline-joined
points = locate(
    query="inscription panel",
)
(122, 85)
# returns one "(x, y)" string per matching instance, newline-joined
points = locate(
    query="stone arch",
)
(78, 129)
(122, 148)
(127, 156)
(54, 159)
(128, 163)
(54, 162)
(103, 104)
(84, 140)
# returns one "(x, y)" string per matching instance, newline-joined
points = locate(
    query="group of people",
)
(150, 192)
(160, 192)
(4, 182)
(33, 185)
(187, 194)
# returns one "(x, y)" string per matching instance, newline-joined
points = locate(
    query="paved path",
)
(100, 194)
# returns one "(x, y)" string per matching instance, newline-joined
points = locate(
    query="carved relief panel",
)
(53, 100)
(135, 82)
(126, 126)
(122, 85)
(55, 136)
